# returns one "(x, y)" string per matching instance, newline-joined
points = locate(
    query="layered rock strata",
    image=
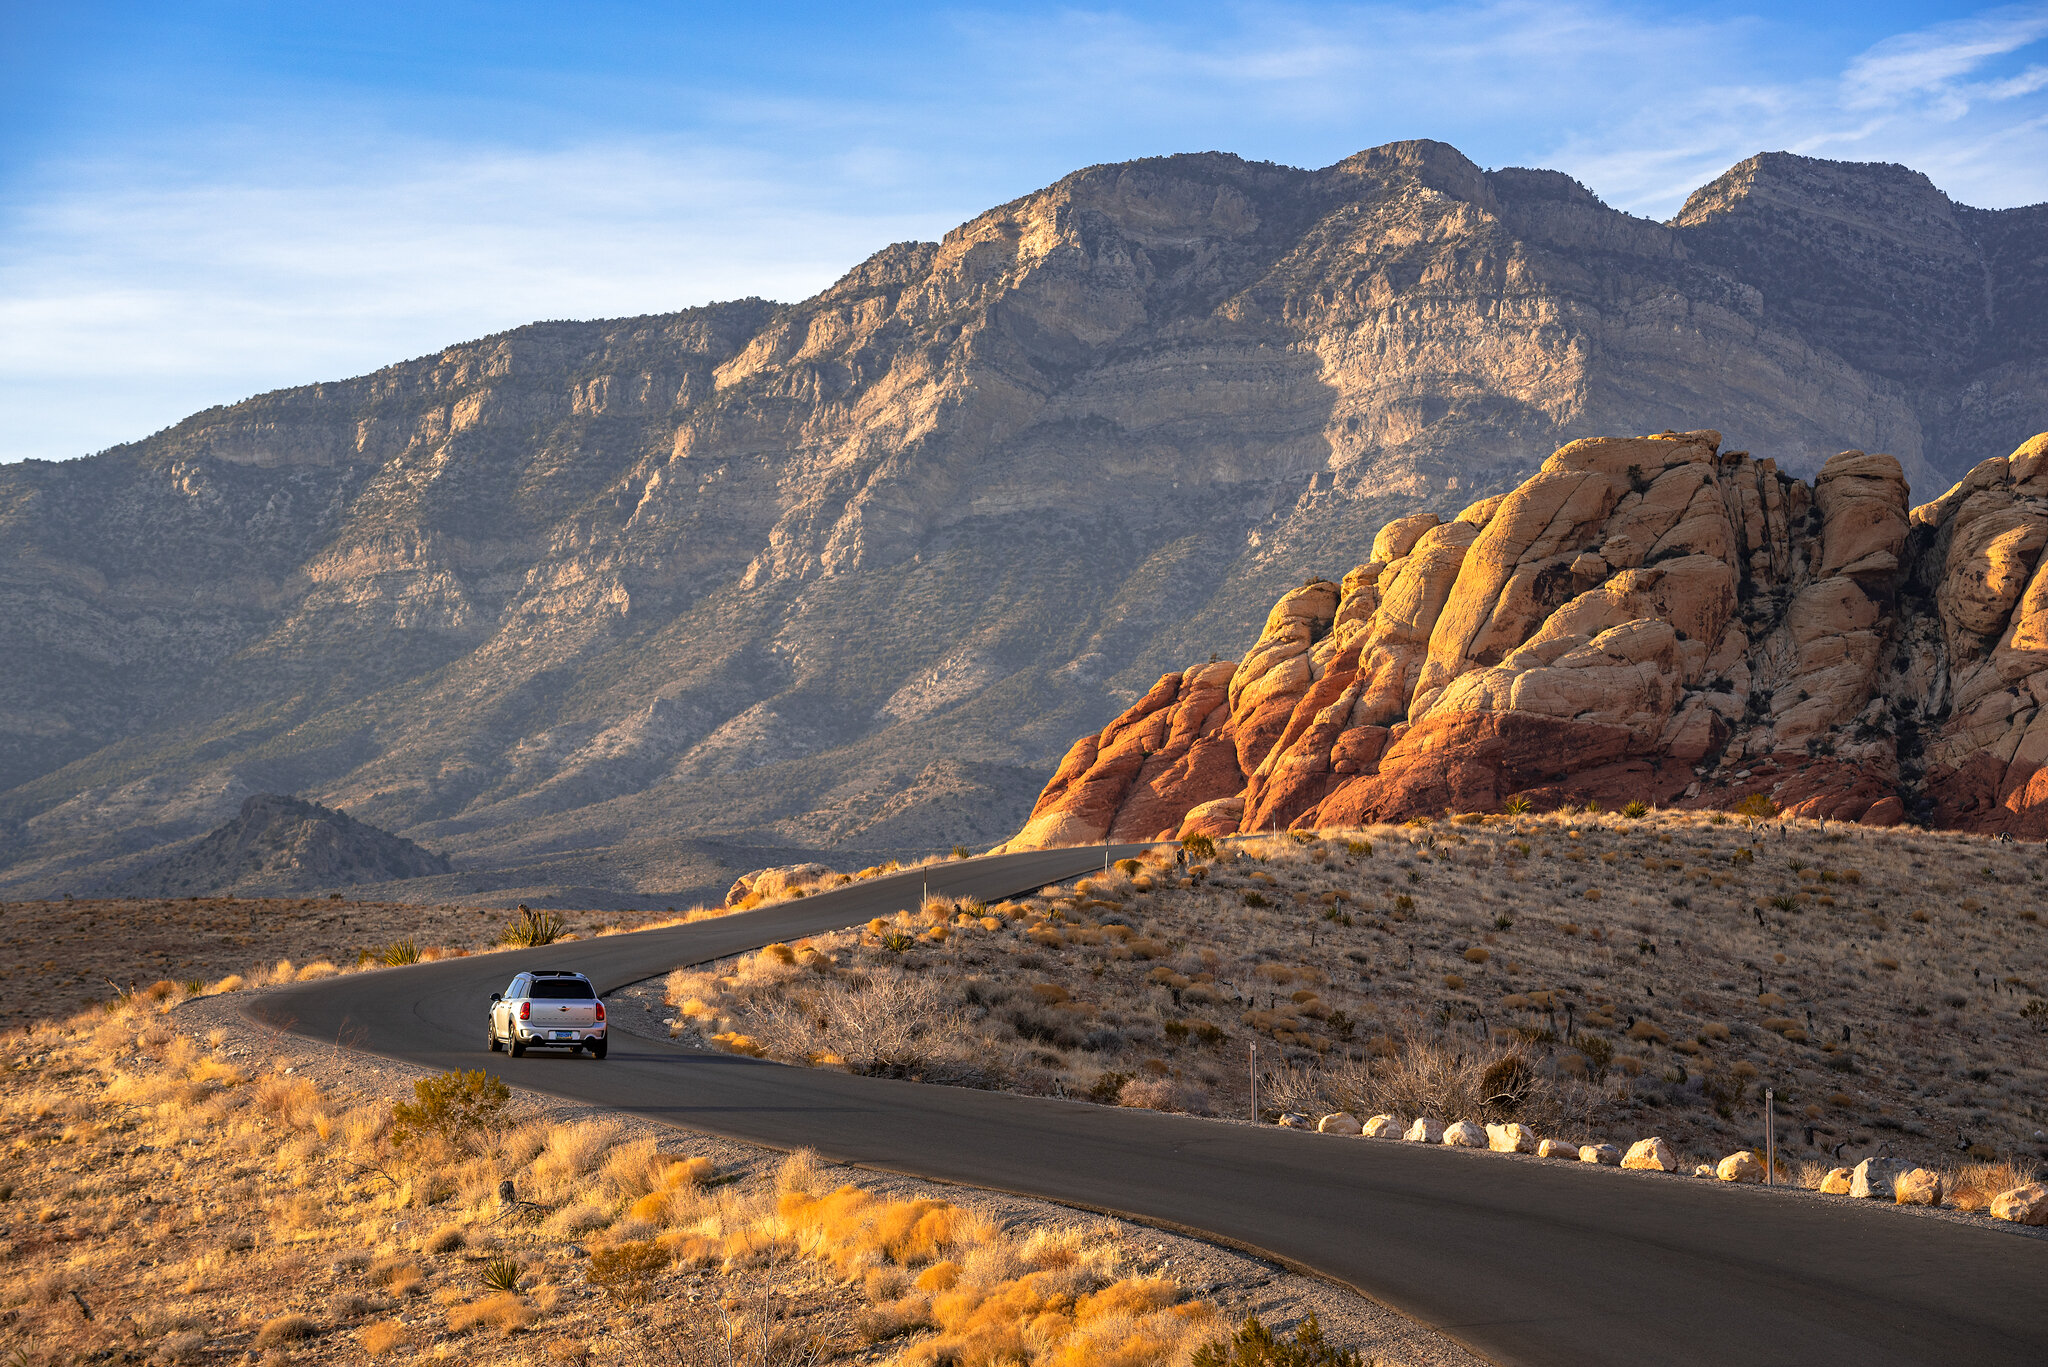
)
(1649, 618)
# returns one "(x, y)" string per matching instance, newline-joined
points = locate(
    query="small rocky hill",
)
(1650, 619)
(283, 845)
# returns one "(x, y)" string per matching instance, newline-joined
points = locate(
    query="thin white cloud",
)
(136, 289)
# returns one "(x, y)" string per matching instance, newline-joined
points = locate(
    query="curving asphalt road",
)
(1520, 1260)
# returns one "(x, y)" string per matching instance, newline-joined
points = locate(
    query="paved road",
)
(1522, 1261)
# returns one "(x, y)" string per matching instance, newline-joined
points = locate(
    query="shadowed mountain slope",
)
(282, 844)
(849, 572)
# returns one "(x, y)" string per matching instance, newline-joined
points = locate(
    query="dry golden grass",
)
(1654, 974)
(171, 1203)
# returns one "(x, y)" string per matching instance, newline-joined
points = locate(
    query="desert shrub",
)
(399, 953)
(626, 1271)
(534, 928)
(1516, 806)
(1254, 1345)
(1756, 807)
(501, 1310)
(1199, 847)
(283, 1329)
(455, 1107)
(1636, 810)
(386, 1336)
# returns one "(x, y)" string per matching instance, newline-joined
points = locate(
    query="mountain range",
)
(613, 609)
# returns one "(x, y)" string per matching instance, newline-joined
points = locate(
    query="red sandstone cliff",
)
(1645, 618)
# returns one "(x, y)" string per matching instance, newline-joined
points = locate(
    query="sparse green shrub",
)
(1361, 848)
(960, 852)
(1756, 807)
(1199, 847)
(1784, 903)
(1254, 1345)
(399, 953)
(455, 1107)
(1128, 867)
(1517, 805)
(1108, 1087)
(1637, 810)
(1253, 899)
(534, 928)
(897, 941)
(1503, 922)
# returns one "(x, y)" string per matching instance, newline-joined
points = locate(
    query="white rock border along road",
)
(1520, 1260)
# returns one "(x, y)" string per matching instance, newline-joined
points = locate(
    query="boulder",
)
(1293, 1120)
(1740, 1167)
(775, 882)
(1917, 1187)
(1382, 1127)
(1464, 1135)
(1703, 1170)
(1650, 1155)
(2027, 1205)
(1599, 1153)
(1425, 1131)
(1556, 1148)
(1836, 1183)
(1873, 1179)
(1342, 1122)
(1511, 1138)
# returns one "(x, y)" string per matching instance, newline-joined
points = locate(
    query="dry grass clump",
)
(1651, 972)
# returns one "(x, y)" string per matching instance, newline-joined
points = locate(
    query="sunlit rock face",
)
(1642, 620)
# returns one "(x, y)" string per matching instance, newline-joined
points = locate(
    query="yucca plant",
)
(534, 928)
(502, 1274)
(401, 952)
(1637, 810)
(1516, 805)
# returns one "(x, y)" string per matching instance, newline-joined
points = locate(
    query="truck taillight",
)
(600, 1010)
(525, 1010)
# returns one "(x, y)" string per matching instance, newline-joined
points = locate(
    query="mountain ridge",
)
(577, 594)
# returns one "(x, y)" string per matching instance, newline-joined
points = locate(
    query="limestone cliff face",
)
(1642, 619)
(850, 570)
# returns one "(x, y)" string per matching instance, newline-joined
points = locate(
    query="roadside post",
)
(1253, 1064)
(1770, 1137)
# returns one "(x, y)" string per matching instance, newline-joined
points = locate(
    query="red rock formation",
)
(1645, 618)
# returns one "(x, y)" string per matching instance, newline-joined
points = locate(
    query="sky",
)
(203, 201)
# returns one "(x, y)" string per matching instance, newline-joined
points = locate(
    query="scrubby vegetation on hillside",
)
(169, 1203)
(1593, 974)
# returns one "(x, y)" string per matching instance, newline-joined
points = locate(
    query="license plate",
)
(565, 1034)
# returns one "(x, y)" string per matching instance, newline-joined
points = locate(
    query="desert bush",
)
(501, 1310)
(386, 1336)
(455, 1107)
(283, 1329)
(531, 928)
(400, 953)
(1254, 1345)
(1199, 847)
(626, 1271)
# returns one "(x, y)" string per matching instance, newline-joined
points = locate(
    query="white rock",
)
(1293, 1120)
(1836, 1183)
(1556, 1148)
(1703, 1170)
(1741, 1167)
(1650, 1155)
(1599, 1153)
(1425, 1131)
(1873, 1179)
(1342, 1122)
(1382, 1126)
(1511, 1138)
(2027, 1205)
(1465, 1135)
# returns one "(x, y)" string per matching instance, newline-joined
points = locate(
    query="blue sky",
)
(202, 201)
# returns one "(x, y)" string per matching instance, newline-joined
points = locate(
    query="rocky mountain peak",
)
(280, 844)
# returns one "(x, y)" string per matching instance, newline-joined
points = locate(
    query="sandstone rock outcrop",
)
(775, 882)
(1644, 619)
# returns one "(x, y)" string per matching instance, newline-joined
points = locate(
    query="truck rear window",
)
(571, 989)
